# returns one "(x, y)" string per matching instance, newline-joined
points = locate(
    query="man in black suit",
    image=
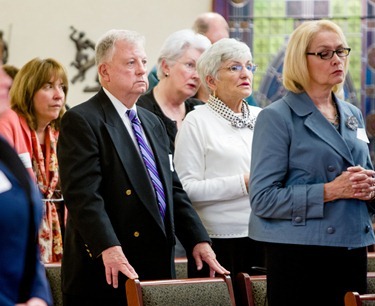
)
(114, 224)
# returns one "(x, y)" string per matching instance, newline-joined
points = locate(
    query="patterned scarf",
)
(47, 175)
(244, 121)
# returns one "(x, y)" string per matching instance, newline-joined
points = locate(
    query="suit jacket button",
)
(330, 230)
(128, 192)
(367, 228)
(331, 168)
(88, 251)
(136, 234)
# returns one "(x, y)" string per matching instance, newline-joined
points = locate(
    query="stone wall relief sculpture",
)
(5, 48)
(84, 58)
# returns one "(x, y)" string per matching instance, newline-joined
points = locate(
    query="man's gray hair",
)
(106, 45)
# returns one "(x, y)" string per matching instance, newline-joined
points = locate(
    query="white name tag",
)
(171, 162)
(361, 134)
(5, 184)
(26, 159)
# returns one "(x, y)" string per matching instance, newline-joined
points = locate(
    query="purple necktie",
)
(149, 160)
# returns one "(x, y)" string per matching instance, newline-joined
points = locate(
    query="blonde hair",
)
(30, 78)
(296, 76)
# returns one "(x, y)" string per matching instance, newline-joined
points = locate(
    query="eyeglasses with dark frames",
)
(328, 54)
(238, 68)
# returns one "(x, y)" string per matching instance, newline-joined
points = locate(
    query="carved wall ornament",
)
(5, 48)
(84, 58)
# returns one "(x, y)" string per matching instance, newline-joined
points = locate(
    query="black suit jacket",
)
(148, 101)
(111, 201)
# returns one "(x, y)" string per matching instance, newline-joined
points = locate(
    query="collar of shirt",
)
(121, 110)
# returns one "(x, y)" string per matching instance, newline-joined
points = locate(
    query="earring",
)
(166, 74)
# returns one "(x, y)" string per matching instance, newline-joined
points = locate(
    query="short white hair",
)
(221, 51)
(177, 43)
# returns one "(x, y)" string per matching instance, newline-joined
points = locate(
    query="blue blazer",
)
(22, 275)
(295, 151)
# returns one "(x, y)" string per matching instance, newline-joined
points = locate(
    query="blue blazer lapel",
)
(348, 134)
(302, 106)
(130, 158)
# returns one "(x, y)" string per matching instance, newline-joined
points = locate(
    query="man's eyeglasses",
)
(238, 68)
(328, 54)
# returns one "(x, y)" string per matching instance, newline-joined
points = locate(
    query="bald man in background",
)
(212, 25)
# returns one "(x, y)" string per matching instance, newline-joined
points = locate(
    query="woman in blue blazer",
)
(311, 177)
(23, 280)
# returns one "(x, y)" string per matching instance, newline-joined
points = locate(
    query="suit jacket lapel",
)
(11, 160)
(346, 132)
(129, 156)
(302, 105)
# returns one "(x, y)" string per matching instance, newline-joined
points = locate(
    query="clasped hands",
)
(115, 261)
(354, 183)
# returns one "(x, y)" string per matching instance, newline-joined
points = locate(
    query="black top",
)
(148, 102)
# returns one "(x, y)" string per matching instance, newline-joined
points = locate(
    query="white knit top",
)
(211, 158)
